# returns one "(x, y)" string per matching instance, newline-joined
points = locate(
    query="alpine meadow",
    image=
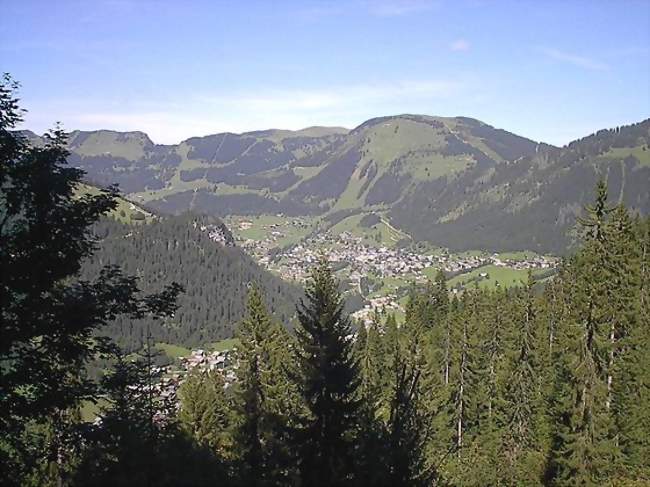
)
(379, 292)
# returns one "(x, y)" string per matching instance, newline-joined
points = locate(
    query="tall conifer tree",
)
(327, 379)
(262, 400)
(588, 450)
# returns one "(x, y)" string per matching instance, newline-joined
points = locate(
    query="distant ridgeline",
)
(198, 253)
(455, 182)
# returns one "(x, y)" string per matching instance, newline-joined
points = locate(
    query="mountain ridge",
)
(452, 181)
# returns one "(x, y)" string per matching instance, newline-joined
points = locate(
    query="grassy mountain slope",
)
(126, 211)
(385, 158)
(531, 202)
(455, 182)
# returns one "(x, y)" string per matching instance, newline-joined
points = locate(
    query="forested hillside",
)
(196, 252)
(455, 182)
(531, 202)
(493, 387)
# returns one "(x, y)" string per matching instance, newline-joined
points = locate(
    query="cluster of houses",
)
(344, 248)
(222, 361)
(383, 303)
(170, 378)
(362, 259)
(216, 233)
(356, 259)
(536, 262)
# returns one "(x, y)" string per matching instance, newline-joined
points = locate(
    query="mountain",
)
(455, 182)
(198, 252)
(126, 211)
(530, 202)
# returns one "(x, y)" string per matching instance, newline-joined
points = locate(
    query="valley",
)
(318, 243)
(389, 203)
(375, 262)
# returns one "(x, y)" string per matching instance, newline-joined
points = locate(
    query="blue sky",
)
(549, 70)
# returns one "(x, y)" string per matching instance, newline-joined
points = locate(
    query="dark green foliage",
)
(546, 188)
(370, 466)
(205, 411)
(589, 450)
(408, 428)
(543, 390)
(264, 398)
(214, 277)
(521, 389)
(331, 181)
(50, 319)
(327, 380)
(134, 445)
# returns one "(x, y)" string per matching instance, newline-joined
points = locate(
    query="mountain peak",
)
(454, 181)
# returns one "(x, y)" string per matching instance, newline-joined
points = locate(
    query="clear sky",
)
(549, 70)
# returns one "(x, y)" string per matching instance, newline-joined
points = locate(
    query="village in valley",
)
(377, 268)
(378, 272)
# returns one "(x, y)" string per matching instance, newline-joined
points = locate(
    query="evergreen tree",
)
(122, 445)
(629, 358)
(408, 426)
(442, 334)
(262, 396)
(389, 345)
(523, 392)
(408, 432)
(522, 387)
(327, 380)
(370, 460)
(133, 444)
(495, 348)
(204, 411)
(50, 321)
(440, 297)
(466, 380)
(588, 450)
(369, 358)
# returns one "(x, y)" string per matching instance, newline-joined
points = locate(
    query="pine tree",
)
(522, 386)
(389, 343)
(204, 411)
(523, 394)
(588, 450)
(133, 444)
(622, 265)
(50, 320)
(409, 430)
(389, 351)
(495, 333)
(442, 331)
(122, 446)
(370, 460)
(466, 379)
(370, 358)
(441, 297)
(261, 404)
(494, 349)
(629, 359)
(327, 380)
(434, 340)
